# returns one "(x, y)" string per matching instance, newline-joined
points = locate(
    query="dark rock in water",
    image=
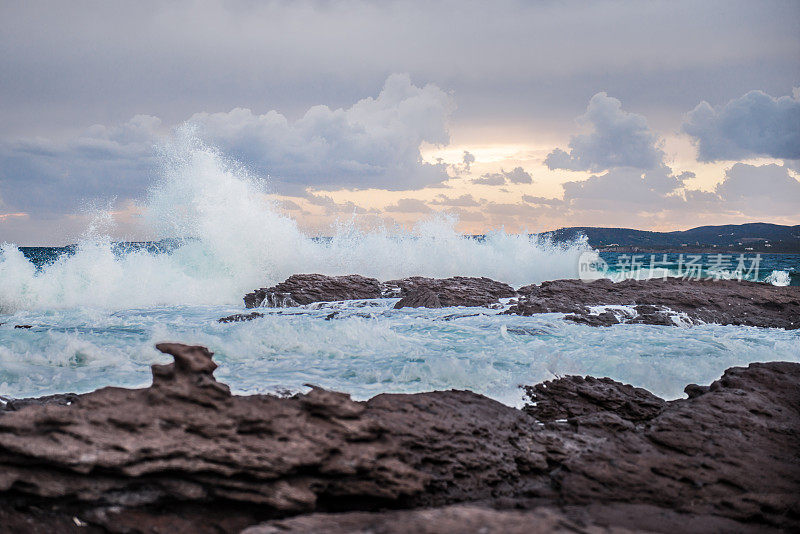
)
(708, 301)
(657, 302)
(601, 319)
(420, 298)
(186, 455)
(23, 326)
(301, 289)
(418, 292)
(240, 317)
(647, 314)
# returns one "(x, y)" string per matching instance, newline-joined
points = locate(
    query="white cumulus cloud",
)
(755, 124)
(617, 139)
(374, 143)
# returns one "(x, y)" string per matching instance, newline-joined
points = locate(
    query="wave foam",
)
(239, 241)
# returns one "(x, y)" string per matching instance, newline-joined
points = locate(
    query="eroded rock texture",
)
(415, 292)
(307, 288)
(709, 301)
(186, 455)
(657, 302)
(456, 519)
(419, 292)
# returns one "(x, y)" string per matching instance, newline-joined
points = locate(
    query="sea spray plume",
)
(233, 238)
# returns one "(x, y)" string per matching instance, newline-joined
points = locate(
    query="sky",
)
(526, 116)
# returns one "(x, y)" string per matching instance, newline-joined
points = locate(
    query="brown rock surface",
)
(308, 288)
(186, 455)
(456, 519)
(655, 301)
(419, 292)
(709, 301)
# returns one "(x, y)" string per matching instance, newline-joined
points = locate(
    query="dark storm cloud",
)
(512, 66)
(755, 124)
(80, 63)
(47, 176)
(374, 143)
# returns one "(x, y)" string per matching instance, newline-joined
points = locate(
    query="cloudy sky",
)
(526, 115)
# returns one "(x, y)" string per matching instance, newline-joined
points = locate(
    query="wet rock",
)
(186, 455)
(574, 396)
(420, 292)
(301, 289)
(23, 326)
(601, 319)
(60, 399)
(656, 301)
(457, 519)
(647, 314)
(420, 298)
(415, 292)
(240, 317)
(694, 390)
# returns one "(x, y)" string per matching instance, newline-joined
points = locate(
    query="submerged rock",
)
(240, 317)
(186, 455)
(657, 301)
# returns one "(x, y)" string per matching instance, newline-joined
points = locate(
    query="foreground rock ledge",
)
(586, 455)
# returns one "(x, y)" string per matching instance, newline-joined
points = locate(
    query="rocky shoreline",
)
(659, 301)
(584, 455)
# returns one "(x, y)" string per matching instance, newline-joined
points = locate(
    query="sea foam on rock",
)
(658, 302)
(186, 455)
(416, 291)
(706, 301)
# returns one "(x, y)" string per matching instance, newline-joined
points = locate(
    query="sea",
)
(96, 309)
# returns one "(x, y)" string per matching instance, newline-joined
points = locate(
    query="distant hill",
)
(755, 237)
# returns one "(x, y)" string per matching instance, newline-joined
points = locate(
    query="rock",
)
(601, 319)
(694, 390)
(301, 289)
(419, 292)
(420, 298)
(647, 314)
(574, 396)
(656, 301)
(23, 326)
(186, 455)
(60, 399)
(240, 317)
(457, 519)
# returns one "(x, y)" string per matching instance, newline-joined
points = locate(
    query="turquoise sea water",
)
(96, 309)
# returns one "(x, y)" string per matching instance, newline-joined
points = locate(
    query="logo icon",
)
(591, 266)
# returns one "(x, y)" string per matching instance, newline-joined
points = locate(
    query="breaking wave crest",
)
(233, 239)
